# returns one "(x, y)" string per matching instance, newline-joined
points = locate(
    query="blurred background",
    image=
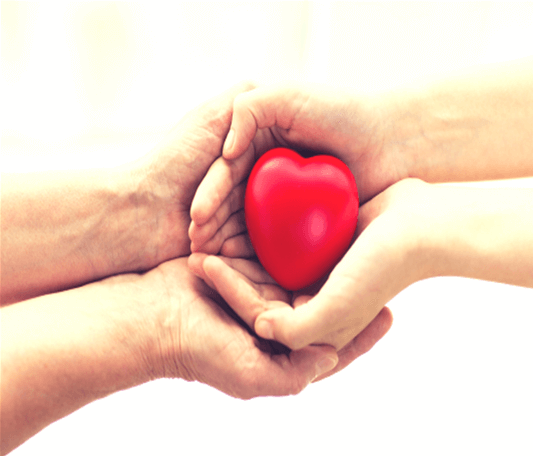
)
(87, 84)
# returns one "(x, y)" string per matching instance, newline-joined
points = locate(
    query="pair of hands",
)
(385, 258)
(200, 336)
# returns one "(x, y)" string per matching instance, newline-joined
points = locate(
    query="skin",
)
(98, 297)
(64, 229)
(470, 126)
(64, 350)
(410, 232)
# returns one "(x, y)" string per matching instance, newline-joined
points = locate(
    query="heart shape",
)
(300, 214)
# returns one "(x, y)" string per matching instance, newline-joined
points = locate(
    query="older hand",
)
(198, 339)
(166, 179)
(63, 350)
(62, 229)
(251, 292)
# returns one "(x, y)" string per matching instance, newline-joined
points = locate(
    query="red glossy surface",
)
(300, 214)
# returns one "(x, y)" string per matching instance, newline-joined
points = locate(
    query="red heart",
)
(300, 214)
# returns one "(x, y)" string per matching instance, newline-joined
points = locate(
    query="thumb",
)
(298, 327)
(262, 107)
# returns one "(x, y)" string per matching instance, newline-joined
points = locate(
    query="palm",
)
(204, 341)
(251, 291)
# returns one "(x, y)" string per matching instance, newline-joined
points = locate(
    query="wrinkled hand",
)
(166, 179)
(194, 337)
(251, 292)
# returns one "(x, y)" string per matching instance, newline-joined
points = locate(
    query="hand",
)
(250, 291)
(308, 119)
(64, 350)
(198, 339)
(167, 178)
(386, 257)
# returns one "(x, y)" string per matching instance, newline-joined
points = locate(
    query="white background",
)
(98, 84)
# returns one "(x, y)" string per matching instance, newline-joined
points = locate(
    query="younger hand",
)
(308, 119)
(387, 256)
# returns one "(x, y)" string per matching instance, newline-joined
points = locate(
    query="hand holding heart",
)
(303, 120)
(309, 119)
(349, 307)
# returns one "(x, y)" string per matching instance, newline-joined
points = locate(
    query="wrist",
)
(403, 140)
(158, 220)
(483, 233)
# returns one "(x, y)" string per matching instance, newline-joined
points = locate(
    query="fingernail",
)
(263, 328)
(325, 365)
(228, 144)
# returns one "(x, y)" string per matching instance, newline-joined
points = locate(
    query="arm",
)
(409, 232)
(64, 350)
(472, 126)
(64, 229)
(58, 356)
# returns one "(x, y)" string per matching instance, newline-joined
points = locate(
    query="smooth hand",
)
(410, 232)
(383, 260)
(309, 120)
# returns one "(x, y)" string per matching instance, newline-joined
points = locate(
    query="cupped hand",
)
(192, 334)
(389, 254)
(251, 292)
(166, 179)
(308, 119)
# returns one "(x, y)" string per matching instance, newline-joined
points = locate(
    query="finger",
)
(310, 321)
(282, 375)
(260, 108)
(199, 234)
(357, 289)
(221, 106)
(252, 270)
(221, 178)
(306, 365)
(240, 292)
(362, 343)
(238, 246)
(301, 300)
(195, 262)
(334, 316)
(234, 226)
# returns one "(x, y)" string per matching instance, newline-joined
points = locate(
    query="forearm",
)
(63, 229)
(63, 351)
(473, 126)
(485, 234)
